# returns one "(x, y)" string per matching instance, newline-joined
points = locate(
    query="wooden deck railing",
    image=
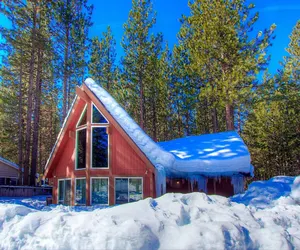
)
(24, 191)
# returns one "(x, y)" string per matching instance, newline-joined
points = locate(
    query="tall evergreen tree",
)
(70, 26)
(136, 44)
(221, 53)
(272, 130)
(102, 65)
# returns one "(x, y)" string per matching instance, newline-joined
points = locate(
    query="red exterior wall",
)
(220, 186)
(124, 161)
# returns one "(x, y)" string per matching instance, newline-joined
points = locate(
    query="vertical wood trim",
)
(88, 153)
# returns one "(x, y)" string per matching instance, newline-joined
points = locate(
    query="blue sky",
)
(284, 13)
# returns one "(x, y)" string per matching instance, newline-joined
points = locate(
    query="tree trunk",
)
(109, 70)
(34, 152)
(214, 116)
(187, 117)
(142, 103)
(239, 126)
(154, 118)
(29, 101)
(65, 82)
(20, 139)
(229, 117)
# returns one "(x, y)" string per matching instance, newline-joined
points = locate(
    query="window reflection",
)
(98, 117)
(99, 191)
(80, 192)
(128, 190)
(100, 148)
(81, 147)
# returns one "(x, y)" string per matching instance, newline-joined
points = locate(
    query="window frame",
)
(80, 117)
(128, 177)
(63, 179)
(93, 105)
(8, 177)
(91, 198)
(78, 128)
(79, 178)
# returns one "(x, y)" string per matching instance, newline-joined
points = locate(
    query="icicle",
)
(200, 180)
(238, 183)
(160, 181)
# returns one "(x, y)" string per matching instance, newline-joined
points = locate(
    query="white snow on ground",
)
(173, 221)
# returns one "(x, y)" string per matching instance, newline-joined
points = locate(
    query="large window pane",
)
(98, 117)
(135, 190)
(99, 191)
(64, 192)
(80, 192)
(100, 148)
(61, 190)
(121, 191)
(128, 190)
(81, 148)
(67, 198)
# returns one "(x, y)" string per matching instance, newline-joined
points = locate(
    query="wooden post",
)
(88, 153)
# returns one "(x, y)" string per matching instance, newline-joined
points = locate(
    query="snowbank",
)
(277, 190)
(173, 221)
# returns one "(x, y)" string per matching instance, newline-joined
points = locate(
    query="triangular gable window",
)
(98, 116)
(83, 118)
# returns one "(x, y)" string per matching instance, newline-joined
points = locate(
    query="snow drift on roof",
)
(222, 153)
(12, 164)
(152, 150)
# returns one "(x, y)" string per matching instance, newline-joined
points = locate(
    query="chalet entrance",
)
(64, 192)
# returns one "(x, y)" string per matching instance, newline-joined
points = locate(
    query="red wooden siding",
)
(124, 160)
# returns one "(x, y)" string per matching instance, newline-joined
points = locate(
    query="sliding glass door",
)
(64, 192)
(128, 189)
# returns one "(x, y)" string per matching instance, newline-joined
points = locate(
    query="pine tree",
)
(102, 65)
(136, 44)
(31, 79)
(272, 130)
(221, 53)
(70, 25)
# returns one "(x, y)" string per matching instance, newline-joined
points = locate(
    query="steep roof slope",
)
(158, 156)
(219, 153)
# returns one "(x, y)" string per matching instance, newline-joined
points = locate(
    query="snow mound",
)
(173, 221)
(38, 202)
(277, 190)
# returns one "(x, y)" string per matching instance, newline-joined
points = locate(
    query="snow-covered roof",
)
(157, 156)
(10, 163)
(219, 153)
